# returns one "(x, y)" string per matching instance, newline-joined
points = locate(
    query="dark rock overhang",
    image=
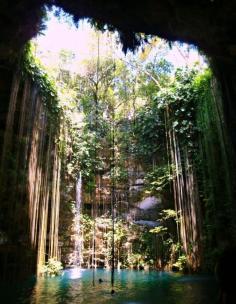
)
(209, 24)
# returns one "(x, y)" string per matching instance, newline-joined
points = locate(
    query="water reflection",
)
(75, 273)
(131, 287)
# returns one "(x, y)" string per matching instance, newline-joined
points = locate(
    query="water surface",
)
(131, 287)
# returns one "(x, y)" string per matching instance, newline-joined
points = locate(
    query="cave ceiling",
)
(209, 24)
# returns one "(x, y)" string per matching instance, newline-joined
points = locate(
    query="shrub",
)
(52, 267)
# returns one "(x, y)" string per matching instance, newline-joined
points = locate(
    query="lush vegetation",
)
(52, 268)
(151, 146)
(31, 67)
(136, 129)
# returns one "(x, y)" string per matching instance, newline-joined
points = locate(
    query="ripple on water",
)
(81, 286)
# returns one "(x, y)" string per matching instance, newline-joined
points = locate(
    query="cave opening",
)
(114, 161)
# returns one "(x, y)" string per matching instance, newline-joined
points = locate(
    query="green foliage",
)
(157, 181)
(181, 263)
(143, 137)
(169, 246)
(32, 68)
(159, 230)
(180, 102)
(136, 260)
(143, 106)
(148, 132)
(154, 76)
(168, 214)
(52, 268)
(120, 234)
(86, 225)
(85, 155)
(215, 169)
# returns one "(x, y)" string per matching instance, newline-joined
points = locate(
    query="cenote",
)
(117, 168)
(131, 287)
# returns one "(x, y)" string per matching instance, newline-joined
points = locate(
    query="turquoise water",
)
(131, 287)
